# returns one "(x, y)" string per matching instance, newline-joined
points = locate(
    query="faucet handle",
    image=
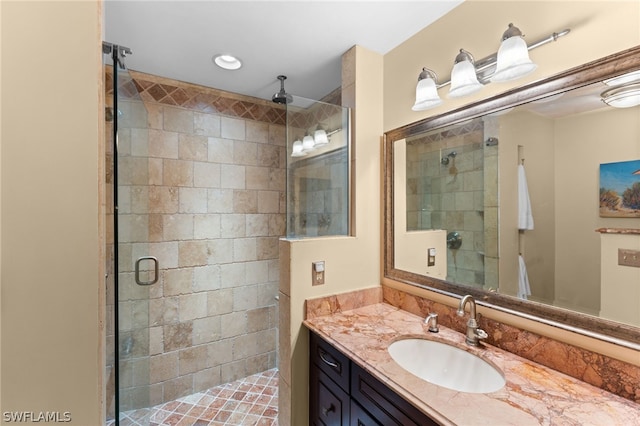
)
(481, 333)
(432, 322)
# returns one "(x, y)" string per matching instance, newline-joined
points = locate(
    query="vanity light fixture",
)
(227, 62)
(468, 76)
(464, 80)
(320, 137)
(297, 150)
(426, 91)
(513, 57)
(308, 144)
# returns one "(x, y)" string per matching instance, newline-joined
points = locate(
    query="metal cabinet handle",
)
(326, 411)
(155, 267)
(326, 361)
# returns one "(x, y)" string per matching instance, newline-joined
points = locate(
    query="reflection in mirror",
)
(451, 185)
(510, 192)
(318, 140)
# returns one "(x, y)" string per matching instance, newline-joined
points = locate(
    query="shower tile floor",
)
(246, 402)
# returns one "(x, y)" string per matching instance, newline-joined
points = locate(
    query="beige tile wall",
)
(206, 191)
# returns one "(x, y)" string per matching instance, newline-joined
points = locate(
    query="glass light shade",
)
(464, 80)
(308, 144)
(426, 95)
(296, 150)
(320, 137)
(623, 97)
(513, 60)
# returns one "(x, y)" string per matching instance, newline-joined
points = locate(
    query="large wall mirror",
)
(508, 199)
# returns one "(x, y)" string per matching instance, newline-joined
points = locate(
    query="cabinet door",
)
(328, 404)
(382, 403)
(359, 417)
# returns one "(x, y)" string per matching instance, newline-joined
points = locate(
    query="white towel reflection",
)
(523, 280)
(525, 215)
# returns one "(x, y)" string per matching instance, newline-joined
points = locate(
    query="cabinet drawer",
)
(331, 361)
(384, 405)
(329, 405)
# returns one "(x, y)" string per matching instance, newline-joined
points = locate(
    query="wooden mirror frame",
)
(589, 325)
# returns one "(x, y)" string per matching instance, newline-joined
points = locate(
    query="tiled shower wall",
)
(207, 191)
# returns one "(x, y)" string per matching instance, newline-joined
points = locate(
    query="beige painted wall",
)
(1, 211)
(51, 266)
(598, 28)
(351, 262)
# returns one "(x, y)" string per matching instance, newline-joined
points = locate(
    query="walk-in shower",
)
(195, 203)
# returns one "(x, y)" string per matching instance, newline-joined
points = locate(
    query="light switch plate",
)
(431, 257)
(628, 257)
(317, 273)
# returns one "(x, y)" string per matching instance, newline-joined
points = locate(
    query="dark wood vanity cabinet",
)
(341, 393)
(329, 401)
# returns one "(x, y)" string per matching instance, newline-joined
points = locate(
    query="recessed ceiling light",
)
(228, 62)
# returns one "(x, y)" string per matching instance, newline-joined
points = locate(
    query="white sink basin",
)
(447, 366)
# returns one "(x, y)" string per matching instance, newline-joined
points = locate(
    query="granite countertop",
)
(533, 394)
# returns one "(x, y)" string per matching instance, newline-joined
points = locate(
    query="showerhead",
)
(282, 97)
(445, 160)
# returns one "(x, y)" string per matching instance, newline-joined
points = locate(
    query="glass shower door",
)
(137, 275)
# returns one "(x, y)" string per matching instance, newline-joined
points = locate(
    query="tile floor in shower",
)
(246, 402)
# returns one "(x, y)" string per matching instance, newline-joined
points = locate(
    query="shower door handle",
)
(155, 268)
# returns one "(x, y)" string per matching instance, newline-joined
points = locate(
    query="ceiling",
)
(301, 39)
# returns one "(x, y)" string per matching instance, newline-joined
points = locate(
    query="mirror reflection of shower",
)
(446, 184)
(450, 158)
(447, 158)
(318, 192)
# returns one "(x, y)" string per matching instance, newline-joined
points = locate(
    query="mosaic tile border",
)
(165, 91)
(449, 132)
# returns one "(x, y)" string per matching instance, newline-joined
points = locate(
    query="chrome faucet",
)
(474, 334)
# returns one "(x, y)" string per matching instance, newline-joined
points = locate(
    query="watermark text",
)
(36, 416)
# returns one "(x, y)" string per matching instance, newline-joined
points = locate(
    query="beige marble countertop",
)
(533, 394)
